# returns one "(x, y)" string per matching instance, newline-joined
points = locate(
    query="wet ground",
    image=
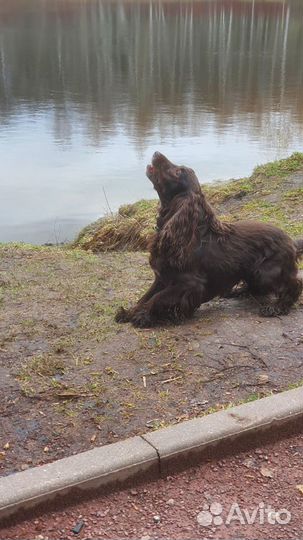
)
(71, 379)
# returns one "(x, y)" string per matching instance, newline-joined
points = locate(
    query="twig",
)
(227, 369)
(166, 381)
(106, 199)
(246, 347)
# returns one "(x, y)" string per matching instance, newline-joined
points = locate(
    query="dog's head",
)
(180, 213)
(170, 180)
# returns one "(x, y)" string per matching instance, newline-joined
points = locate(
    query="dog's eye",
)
(178, 172)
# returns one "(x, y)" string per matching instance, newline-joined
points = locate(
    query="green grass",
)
(282, 167)
(295, 195)
(42, 365)
(293, 386)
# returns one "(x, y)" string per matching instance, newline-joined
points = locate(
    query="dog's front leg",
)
(175, 303)
(126, 315)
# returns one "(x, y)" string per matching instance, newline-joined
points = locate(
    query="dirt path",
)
(71, 379)
(215, 500)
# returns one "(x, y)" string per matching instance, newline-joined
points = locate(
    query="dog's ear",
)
(179, 237)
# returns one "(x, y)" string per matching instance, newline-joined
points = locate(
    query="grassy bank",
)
(274, 192)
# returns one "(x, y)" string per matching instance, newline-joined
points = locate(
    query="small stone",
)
(102, 514)
(249, 463)
(145, 537)
(134, 492)
(78, 527)
(157, 519)
(267, 473)
(171, 502)
(24, 466)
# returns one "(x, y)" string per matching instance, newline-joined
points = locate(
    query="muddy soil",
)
(71, 379)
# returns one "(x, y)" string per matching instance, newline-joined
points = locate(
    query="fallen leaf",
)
(262, 378)
(6, 446)
(46, 449)
(267, 473)
(93, 438)
(300, 488)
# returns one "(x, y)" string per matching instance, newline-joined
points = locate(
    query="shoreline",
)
(111, 231)
(265, 195)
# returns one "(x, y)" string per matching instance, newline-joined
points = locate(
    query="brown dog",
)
(195, 257)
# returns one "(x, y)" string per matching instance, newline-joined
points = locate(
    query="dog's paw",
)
(269, 311)
(121, 315)
(283, 310)
(142, 319)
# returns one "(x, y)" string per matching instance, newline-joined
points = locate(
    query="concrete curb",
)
(150, 453)
(110, 464)
(192, 438)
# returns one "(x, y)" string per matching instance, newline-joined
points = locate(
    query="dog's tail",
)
(299, 246)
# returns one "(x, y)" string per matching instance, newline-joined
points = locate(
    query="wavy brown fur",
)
(195, 257)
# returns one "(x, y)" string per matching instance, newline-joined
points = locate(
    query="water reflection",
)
(96, 86)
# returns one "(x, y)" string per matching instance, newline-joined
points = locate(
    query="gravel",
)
(188, 505)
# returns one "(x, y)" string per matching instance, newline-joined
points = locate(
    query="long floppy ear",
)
(180, 235)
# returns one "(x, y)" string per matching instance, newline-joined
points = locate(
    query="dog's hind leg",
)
(288, 296)
(287, 290)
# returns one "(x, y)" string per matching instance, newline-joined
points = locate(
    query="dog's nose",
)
(157, 155)
(158, 159)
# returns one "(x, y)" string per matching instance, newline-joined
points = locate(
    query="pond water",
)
(90, 89)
